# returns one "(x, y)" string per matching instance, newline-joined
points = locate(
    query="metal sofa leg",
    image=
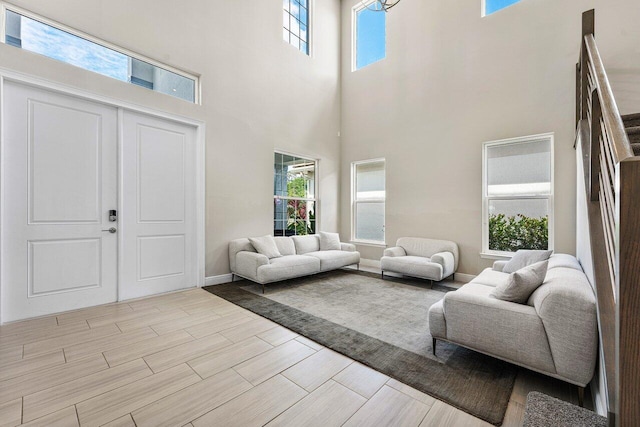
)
(233, 277)
(581, 396)
(263, 288)
(358, 266)
(382, 274)
(433, 344)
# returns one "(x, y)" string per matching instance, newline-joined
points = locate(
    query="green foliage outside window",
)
(510, 233)
(297, 187)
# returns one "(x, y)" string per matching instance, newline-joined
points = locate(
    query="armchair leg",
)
(358, 266)
(433, 344)
(233, 277)
(263, 288)
(382, 275)
(581, 396)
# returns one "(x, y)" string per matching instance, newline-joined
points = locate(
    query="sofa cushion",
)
(564, 260)
(329, 241)
(525, 257)
(288, 267)
(415, 266)
(285, 245)
(521, 284)
(304, 244)
(490, 277)
(266, 246)
(331, 260)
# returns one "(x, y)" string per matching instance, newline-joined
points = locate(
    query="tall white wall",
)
(452, 80)
(258, 94)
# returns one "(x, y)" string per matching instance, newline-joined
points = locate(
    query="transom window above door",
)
(30, 32)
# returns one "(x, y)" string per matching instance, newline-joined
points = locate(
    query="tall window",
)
(368, 200)
(518, 194)
(294, 200)
(33, 34)
(369, 44)
(491, 6)
(295, 25)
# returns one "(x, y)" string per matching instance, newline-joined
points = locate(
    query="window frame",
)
(354, 34)
(310, 28)
(316, 203)
(486, 199)
(355, 202)
(57, 25)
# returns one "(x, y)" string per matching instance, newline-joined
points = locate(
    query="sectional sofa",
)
(555, 332)
(300, 256)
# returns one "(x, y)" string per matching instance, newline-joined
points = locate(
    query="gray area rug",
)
(382, 324)
(547, 411)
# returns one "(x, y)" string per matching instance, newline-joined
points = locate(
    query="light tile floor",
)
(192, 358)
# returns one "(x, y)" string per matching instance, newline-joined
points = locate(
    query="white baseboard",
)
(370, 263)
(463, 277)
(217, 280)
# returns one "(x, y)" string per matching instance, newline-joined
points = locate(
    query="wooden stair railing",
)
(612, 178)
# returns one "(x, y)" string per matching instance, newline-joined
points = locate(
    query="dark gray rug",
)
(348, 312)
(547, 411)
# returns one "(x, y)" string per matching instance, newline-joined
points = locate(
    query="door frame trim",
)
(7, 75)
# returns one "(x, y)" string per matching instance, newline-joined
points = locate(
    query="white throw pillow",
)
(521, 284)
(525, 257)
(266, 246)
(329, 241)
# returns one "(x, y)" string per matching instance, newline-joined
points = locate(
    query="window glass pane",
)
(518, 224)
(44, 39)
(492, 6)
(370, 181)
(370, 221)
(519, 169)
(370, 36)
(295, 18)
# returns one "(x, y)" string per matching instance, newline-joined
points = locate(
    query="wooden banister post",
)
(628, 293)
(588, 27)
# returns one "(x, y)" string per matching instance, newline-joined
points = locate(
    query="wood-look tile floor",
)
(193, 359)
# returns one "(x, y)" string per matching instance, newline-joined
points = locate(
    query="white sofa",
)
(554, 332)
(301, 256)
(424, 258)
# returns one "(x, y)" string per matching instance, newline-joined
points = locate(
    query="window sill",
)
(496, 256)
(369, 243)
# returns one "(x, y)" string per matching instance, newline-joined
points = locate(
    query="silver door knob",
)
(111, 230)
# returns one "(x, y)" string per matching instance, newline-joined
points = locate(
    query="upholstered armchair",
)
(423, 258)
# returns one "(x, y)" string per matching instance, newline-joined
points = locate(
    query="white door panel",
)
(60, 180)
(158, 220)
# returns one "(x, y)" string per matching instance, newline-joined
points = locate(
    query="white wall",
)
(452, 80)
(258, 94)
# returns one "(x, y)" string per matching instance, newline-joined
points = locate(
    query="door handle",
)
(111, 230)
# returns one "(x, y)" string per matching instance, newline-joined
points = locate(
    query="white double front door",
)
(61, 177)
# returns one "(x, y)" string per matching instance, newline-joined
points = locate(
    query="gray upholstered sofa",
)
(419, 257)
(554, 333)
(301, 256)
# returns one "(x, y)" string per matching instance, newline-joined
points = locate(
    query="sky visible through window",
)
(35, 36)
(54, 43)
(492, 6)
(370, 37)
